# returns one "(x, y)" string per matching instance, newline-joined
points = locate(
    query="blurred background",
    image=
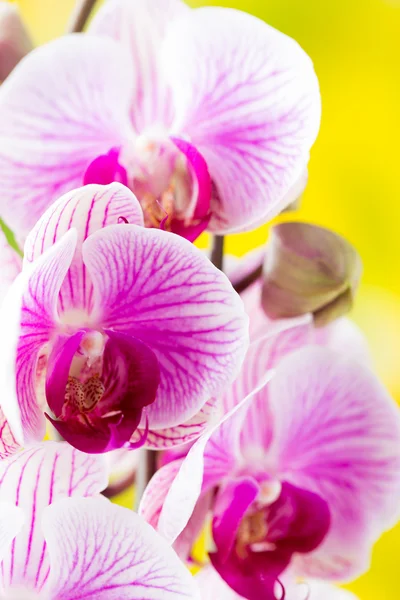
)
(354, 170)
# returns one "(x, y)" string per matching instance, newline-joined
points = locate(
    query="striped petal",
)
(248, 98)
(210, 459)
(27, 322)
(141, 27)
(163, 291)
(8, 443)
(31, 480)
(107, 552)
(86, 209)
(53, 125)
(337, 434)
(11, 523)
(10, 265)
(185, 433)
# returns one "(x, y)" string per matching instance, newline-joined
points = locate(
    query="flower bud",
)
(15, 42)
(309, 269)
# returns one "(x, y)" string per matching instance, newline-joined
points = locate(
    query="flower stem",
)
(80, 15)
(217, 252)
(145, 471)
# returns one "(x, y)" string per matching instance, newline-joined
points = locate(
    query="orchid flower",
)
(208, 115)
(61, 540)
(213, 587)
(126, 333)
(304, 472)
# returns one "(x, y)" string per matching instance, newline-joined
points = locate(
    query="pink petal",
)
(344, 335)
(87, 209)
(107, 552)
(27, 321)
(232, 502)
(53, 125)
(209, 460)
(337, 434)
(11, 523)
(248, 98)
(279, 338)
(32, 480)
(162, 290)
(185, 541)
(238, 269)
(8, 443)
(10, 265)
(184, 433)
(141, 27)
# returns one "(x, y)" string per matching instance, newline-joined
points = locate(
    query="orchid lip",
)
(97, 385)
(256, 543)
(170, 178)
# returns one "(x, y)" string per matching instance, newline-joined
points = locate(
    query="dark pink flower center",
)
(168, 176)
(97, 384)
(255, 543)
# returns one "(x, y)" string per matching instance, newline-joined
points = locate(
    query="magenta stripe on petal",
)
(33, 479)
(159, 288)
(106, 552)
(27, 320)
(86, 209)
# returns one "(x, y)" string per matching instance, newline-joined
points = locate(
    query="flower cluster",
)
(275, 440)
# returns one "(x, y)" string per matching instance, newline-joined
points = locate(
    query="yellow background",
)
(354, 172)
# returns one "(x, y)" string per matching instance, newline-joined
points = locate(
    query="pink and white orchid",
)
(126, 333)
(61, 540)
(304, 472)
(208, 115)
(213, 587)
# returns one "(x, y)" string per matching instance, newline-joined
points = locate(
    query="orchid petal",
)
(108, 552)
(106, 169)
(8, 443)
(32, 479)
(185, 541)
(343, 335)
(156, 491)
(239, 269)
(11, 522)
(58, 368)
(53, 124)
(279, 338)
(209, 460)
(337, 434)
(232, 502)
(27, 321)
(199, 209)
(159, 288)
(10, 265)
(141, 27)
(185, 433)
(86, 209)
(248, 98)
